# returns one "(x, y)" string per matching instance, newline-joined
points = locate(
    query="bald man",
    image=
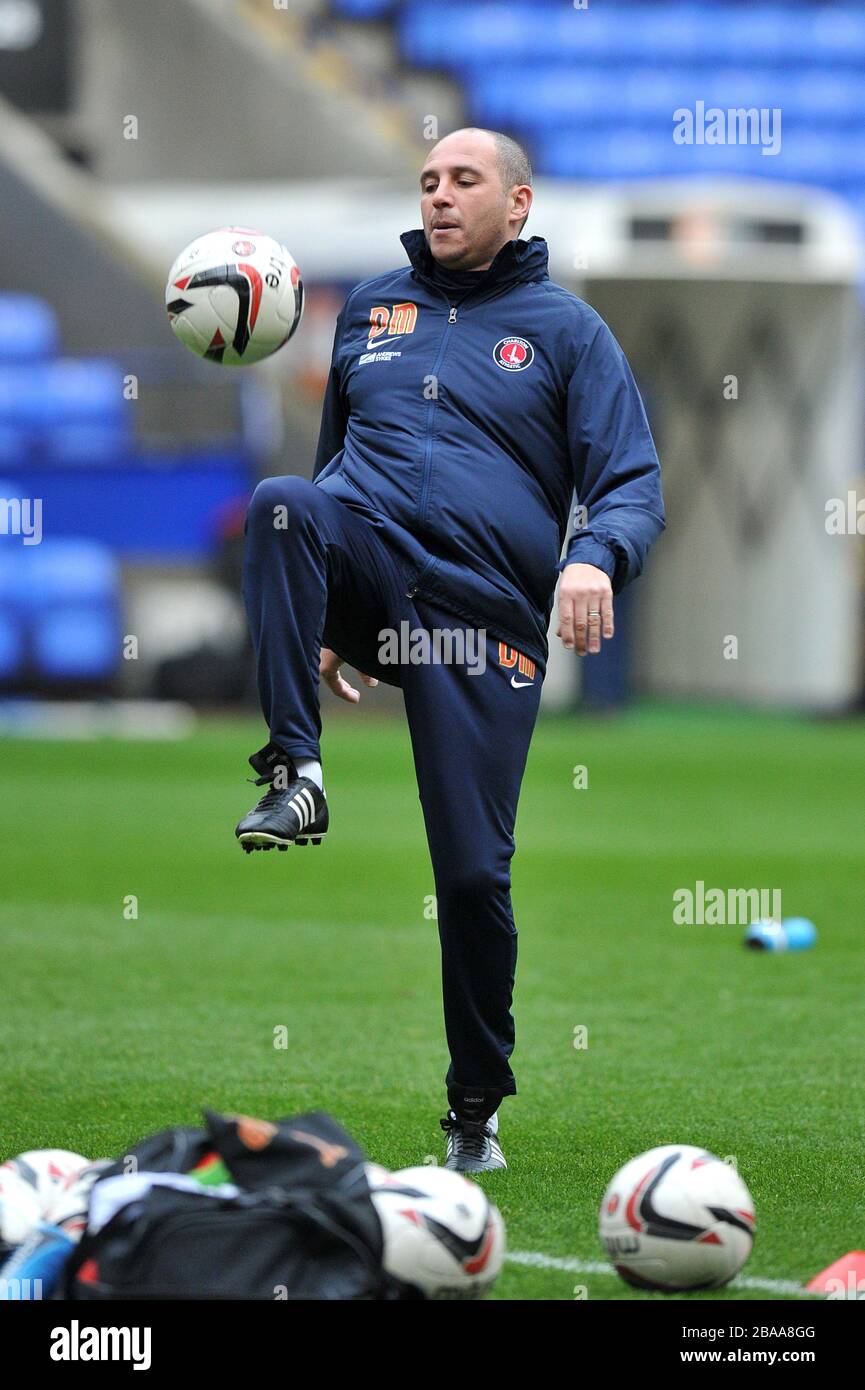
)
(468, 397)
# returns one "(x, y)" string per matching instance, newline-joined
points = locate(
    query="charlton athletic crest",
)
(514, 354)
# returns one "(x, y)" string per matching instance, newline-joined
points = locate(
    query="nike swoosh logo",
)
(380, 342)
(517, 684)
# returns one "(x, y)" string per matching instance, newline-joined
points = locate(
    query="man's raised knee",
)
(280, 503)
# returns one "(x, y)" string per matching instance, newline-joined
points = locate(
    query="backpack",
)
(241, 1209)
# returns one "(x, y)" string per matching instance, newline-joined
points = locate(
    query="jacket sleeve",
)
(334, 413)
(617, 476)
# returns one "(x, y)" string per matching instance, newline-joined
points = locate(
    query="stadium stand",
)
(68, 448)
(592, 92)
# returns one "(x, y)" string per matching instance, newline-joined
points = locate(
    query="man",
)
(468, 396)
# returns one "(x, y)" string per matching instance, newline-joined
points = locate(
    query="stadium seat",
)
(62, 599)
(12, 651)
(60, 571)
(72, 408)
(552, 94)
(28, 329)
(12, 643)
(16, 384)
(11, 637)
(13, 447)
(87, 444)
(76, 643)
(467, 35)
(834, 34)
(74, 390)
(364, 9)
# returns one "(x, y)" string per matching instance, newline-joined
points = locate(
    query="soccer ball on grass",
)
(677, 1218)
(442, 1235)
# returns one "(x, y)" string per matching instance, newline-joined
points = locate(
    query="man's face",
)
(467, 214)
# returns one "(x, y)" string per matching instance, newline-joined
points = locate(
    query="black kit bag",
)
(303, 1225)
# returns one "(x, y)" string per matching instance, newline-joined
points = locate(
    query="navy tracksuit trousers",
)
(319, 574)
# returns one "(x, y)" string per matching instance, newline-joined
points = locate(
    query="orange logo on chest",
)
(393, 322)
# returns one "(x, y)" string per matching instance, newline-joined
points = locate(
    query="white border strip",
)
(534, 1259)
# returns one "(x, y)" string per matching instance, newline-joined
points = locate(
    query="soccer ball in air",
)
(677, 1218)
(234, 296)
(442, 1235)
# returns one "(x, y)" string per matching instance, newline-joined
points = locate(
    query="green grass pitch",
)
(114, 1026)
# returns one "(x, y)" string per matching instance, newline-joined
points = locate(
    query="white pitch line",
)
(533, 1258)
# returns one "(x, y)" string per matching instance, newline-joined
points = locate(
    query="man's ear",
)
(522, 204)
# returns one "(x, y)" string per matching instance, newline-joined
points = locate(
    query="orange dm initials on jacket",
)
(395, 321)
(509, 656)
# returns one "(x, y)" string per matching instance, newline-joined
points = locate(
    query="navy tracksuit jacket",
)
(461, 412)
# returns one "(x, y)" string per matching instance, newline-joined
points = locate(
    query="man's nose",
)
(441, 197)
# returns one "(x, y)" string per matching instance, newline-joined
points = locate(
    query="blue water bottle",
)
(800, 933)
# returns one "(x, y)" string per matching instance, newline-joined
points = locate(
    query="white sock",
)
(308, 767)
(493, 1122)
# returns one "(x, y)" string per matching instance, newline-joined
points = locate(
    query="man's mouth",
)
(445, 227)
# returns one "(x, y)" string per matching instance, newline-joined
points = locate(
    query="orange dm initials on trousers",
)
(509, 656)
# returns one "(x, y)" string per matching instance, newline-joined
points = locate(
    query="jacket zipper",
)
(431, 410)
(427, 469)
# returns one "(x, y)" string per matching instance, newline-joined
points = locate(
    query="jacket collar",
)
(516, 261)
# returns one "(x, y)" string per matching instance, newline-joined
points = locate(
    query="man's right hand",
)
(328, 670)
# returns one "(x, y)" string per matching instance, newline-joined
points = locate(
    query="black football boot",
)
(292, 812)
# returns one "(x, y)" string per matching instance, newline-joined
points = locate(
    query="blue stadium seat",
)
(826, 95)
(68, 389)
(72, 408)
(834, 34)
(16, 383)
(542, 95)
(13, 447)
(79, 390)
(62, 599)
(67, 571)
(471, 35)
(28, 329)
(12, 644)
(11, 634)
(76, 643)
(637, 152)
(829, 157)
(87, 446)
(468, 35)
(12, 649)
(547, 95)
(364, 9)
(630, 153)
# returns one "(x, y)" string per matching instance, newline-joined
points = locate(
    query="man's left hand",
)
(585, 608)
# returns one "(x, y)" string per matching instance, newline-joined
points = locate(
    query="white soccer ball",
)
(68, 1206)
(20, 1209)
(29, 1184)
(234, 296)
(677, 1218)
(442, 1235)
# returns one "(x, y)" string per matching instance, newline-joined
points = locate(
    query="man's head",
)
(475, 196)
